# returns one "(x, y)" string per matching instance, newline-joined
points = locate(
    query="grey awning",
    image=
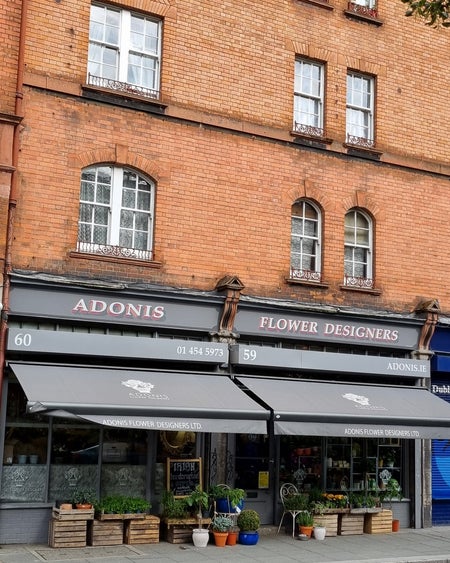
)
(141, 399)
(337, 409)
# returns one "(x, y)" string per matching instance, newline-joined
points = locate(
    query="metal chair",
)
(287, 490)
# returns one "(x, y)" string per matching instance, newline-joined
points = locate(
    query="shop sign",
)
(326, 329)
(267, 356)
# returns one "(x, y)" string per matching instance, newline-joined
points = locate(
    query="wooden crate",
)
(180, 530)
(103, 516)
(330, 521)
(105, 533)
(380, 523)
(144, 530)
(67, 533)
(351, 524)
(179, 534)
(73, 514)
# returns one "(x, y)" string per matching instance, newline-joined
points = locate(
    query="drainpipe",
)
(18, 110)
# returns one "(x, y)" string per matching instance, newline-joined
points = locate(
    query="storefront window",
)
(124, 457)
(24, 474)
(340, 464)
(74, 459)
(301, 461)
(252, 461)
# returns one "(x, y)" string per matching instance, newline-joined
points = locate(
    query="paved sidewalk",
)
(406, 546)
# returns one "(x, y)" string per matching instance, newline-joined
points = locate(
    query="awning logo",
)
(362, 402)
(143, 390)
(138, 385)
(360, 399)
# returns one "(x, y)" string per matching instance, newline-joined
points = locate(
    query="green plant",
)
(248, 520)
(83, 496)
(389, 456)
(305, 519)
(173, 507)
(296, 502)
(221, 524)
(198, 499)
(233, 495)
(136, 505)
(118, 504)
(391, 491)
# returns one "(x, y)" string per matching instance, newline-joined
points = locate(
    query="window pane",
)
(128, 198)
(126, 219)
(141, 241)
(100, 235)
(297, 226)
(141, 221)
(143, 200)
(310, 228)
(126, 239)
(87, 191)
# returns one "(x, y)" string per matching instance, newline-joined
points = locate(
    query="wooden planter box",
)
(67, 533)
(145, 530)
(180, 530)
(134, 516)
(380, 523)
(73, 514)
(330, 521)
(105, 533)
(351, 524)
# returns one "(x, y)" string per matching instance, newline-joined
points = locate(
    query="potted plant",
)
(392, 491)
(248, 522)
(83, 498)
(198, 500)
(228, 500)
(233, 534)
(173, 507)
(220, 527)
(305, 521)
(319, 532)
(389, 457)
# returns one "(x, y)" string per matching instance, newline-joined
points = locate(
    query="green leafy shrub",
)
(174, 507)
(248, 520)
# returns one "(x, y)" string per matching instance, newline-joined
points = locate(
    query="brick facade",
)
(226, 167)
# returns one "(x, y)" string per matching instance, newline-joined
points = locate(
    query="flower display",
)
(335, 500)
(327, 502)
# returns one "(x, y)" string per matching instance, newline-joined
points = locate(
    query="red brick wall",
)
(224, 197)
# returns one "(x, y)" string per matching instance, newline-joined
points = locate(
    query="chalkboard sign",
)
(183, 475)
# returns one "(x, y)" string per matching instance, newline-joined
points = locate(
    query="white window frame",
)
(360, 108)
(114, 208)
(124, 48)
(358, 239)
(309, 91)
(371, 4)
(297, 258)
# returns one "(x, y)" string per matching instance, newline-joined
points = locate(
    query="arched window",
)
(305, 241)
(116, 212)
(358, 268)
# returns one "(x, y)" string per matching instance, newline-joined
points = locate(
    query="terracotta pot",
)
(232, 538)
(395, 525)
(306, 530)
(220, 538)
(84, 506)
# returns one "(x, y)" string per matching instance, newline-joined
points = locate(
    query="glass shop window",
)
(252, 460)
(25, 451)
(124, 457)
(74, 459)
(301, 461)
